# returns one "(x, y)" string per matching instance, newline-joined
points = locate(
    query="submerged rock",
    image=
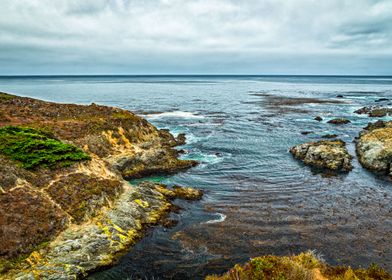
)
(339, 121)
(329, 136)
(298, 267)
(325, 154)
(374, 147)
(306, 132)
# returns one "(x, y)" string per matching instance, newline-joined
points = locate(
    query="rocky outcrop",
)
(374, 147)
(339, 121)
(65, 208)
(84, 247)
(331, 155)
(375, 111)
(128, 142)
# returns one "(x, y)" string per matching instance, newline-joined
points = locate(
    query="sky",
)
(334, 37)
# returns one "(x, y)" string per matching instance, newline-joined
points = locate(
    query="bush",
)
(34, 148)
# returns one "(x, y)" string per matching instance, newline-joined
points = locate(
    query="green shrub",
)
(34, 148)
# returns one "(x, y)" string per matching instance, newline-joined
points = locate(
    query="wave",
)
(203, 159)
(175, 114)
(221, 218)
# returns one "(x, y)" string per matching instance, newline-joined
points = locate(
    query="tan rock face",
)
(97, 242)
(332, 155)
(374, 147)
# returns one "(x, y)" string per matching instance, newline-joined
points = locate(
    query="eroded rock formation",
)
(325, 154)
(71, 211)
(374, 147)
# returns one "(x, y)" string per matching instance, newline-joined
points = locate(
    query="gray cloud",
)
(200, 36)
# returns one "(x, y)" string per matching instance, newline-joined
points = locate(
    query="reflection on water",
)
(258, 199)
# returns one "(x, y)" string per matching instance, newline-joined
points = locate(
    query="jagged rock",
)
(326, 154)
(339, 121)
(375, 111)
(181, 139)
(374, 147)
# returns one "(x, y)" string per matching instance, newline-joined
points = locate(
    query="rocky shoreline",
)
(65, 208)
(373, 149)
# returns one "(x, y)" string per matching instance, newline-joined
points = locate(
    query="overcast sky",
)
(200, 36)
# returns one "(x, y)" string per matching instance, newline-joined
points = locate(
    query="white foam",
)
(220, 219)
(175, 114)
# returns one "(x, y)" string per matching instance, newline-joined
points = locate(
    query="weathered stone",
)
(325, 154)
(374, 147)
(375, 111)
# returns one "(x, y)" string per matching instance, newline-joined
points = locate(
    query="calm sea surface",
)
(258, 199)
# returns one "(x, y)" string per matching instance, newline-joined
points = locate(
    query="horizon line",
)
(194, 75)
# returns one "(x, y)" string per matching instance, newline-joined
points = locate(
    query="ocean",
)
(258, 199)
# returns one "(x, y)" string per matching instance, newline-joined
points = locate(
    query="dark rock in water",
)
(363, 110)
(339, 121)
(381, 100)
(375, 111)
(169, 223)
(377, 124)
(374, 147)
(306, 132)
(318, 118)
(339, 96)
(380, 112)
(181, 139)
(325, 154)
(329, 136)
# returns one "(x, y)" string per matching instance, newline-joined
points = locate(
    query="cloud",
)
(209, 36)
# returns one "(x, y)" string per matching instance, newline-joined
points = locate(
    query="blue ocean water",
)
(258, 199)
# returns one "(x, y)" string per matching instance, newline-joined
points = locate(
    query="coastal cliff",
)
(65, 208)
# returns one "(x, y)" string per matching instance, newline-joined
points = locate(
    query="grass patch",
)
(6, 96)
(34, 148)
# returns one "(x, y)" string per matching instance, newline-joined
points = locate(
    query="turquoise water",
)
(258, 200)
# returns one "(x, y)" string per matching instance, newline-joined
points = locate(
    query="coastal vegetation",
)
(34, 148)
(305, 266)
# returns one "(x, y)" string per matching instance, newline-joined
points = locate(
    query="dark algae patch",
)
(34, 148)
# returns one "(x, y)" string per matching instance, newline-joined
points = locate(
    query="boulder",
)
(325, 154)
(375, 111)
(374, 147)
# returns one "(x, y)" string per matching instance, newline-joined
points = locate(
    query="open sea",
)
(258, 199)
